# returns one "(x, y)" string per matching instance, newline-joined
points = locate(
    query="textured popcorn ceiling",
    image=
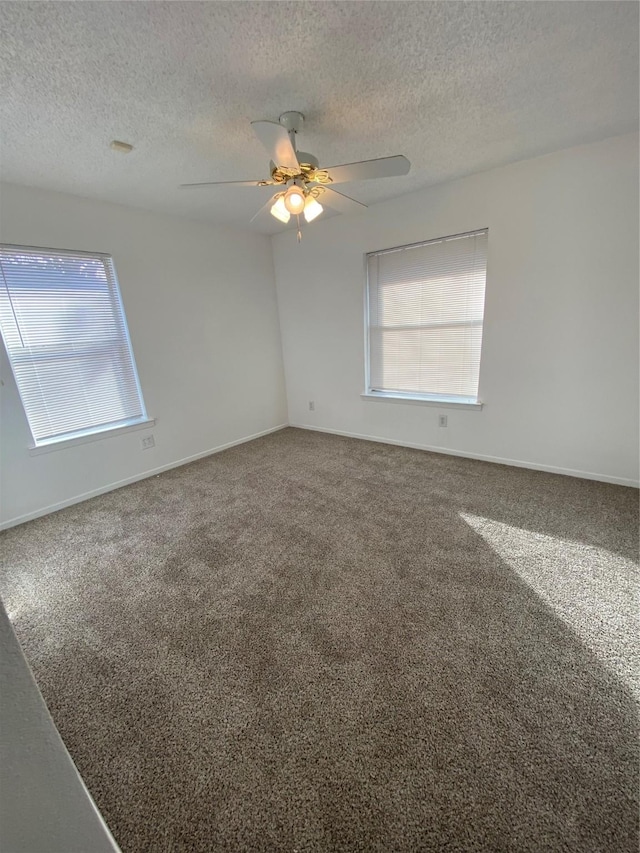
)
(456, 87)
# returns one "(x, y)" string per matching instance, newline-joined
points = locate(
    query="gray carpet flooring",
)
(314, 643)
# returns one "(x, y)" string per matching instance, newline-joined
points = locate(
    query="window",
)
(66, 336)
(425, 305)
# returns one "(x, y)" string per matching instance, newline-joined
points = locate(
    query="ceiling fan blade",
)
(340, 202)
(382, 167)
(225, 184)
(264, 208)
(275, 139)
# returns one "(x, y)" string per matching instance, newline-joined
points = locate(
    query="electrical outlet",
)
(443, 421)
(147, 442)
(312, 406)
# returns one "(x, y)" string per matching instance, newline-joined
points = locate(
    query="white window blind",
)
(425, 312)
(66, 336)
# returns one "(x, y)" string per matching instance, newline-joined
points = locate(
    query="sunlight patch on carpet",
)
(593, 590)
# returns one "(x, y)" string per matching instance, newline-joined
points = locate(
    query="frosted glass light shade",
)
(294, 200)
(312, 209)
(280, 211)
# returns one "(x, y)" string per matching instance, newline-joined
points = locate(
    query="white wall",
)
(202, 314)
(559, 371)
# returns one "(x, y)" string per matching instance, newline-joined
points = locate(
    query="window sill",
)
(36, 450)
(442, 402)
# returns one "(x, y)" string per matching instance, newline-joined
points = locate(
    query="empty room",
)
(319, 427)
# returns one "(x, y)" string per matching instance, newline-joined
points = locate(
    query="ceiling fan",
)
(303, 184)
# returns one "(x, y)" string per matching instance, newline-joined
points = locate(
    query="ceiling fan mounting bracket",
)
(292, 120)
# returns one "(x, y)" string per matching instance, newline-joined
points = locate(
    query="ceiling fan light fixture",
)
(298, 176)
(312, 209)
(280, 211)
(294, 200)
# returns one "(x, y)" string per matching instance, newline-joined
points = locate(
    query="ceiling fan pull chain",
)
(299, 235)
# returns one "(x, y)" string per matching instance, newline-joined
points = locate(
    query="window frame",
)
(413, 398)
(96, 432)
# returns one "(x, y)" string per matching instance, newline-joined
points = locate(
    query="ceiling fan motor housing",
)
(308, 169)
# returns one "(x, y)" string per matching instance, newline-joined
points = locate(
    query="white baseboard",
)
(516, 463)
(20, 519)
